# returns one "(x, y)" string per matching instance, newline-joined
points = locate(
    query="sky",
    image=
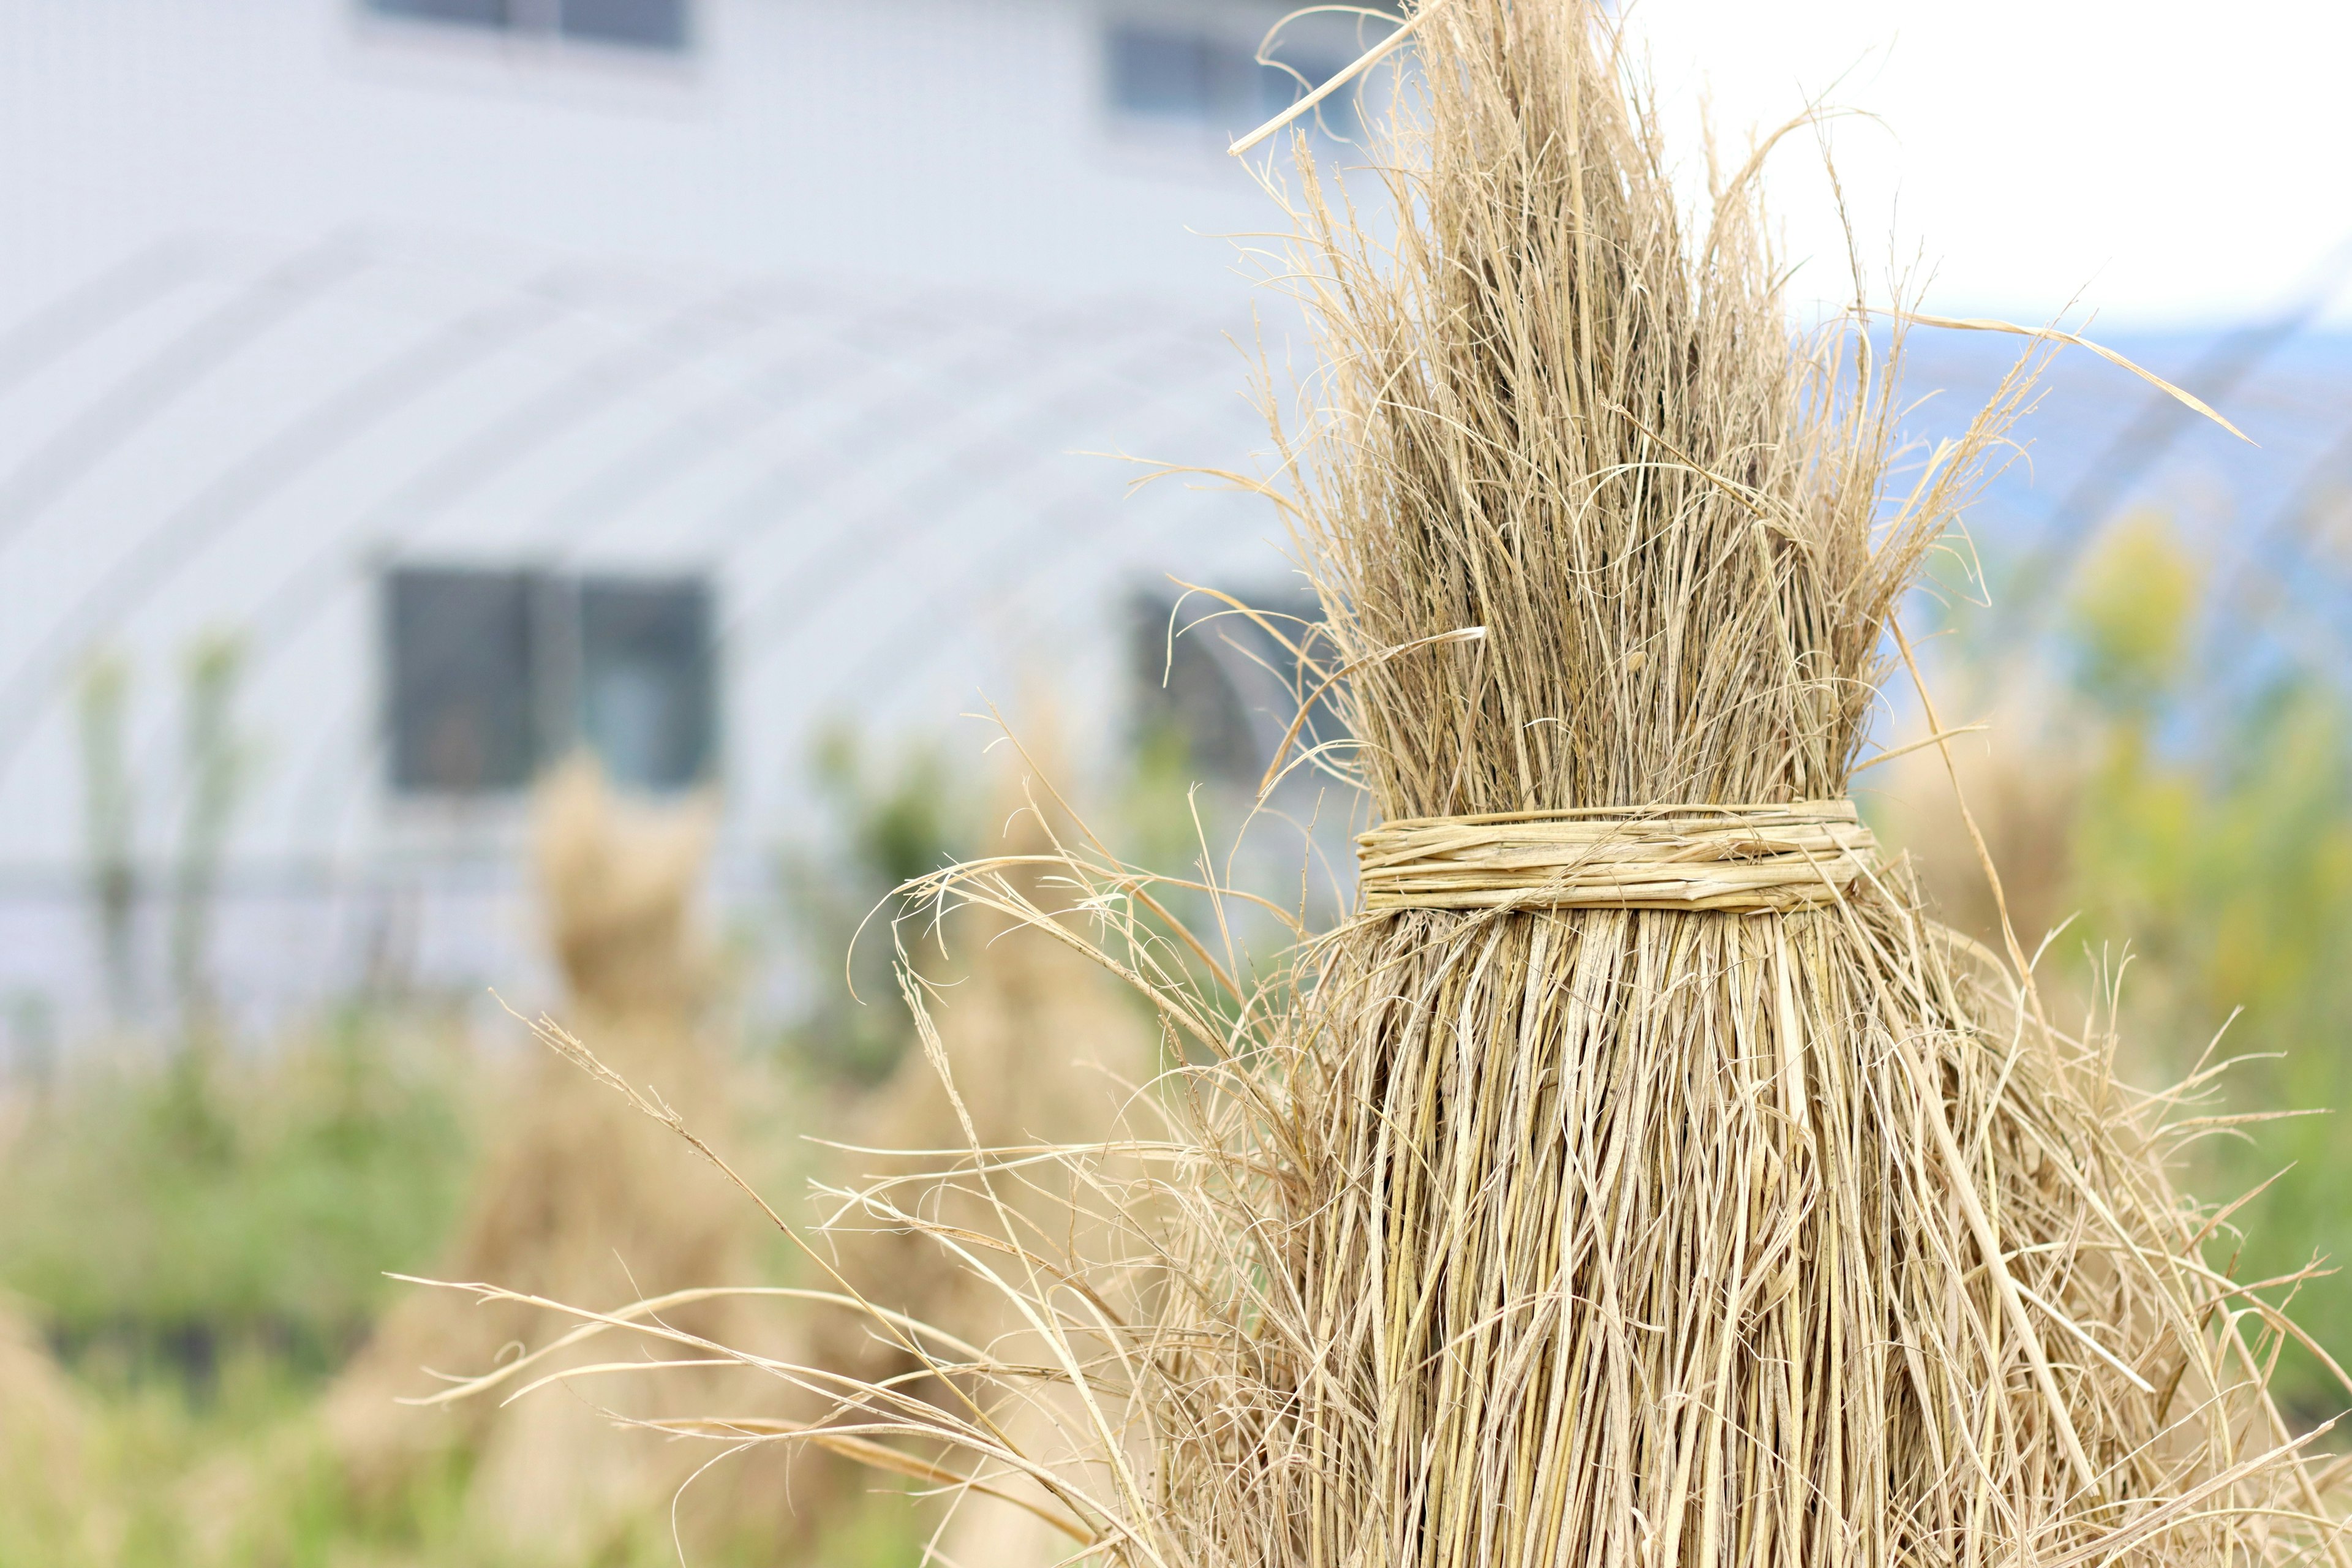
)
(2160, 165)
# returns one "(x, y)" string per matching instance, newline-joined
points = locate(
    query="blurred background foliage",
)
(169, 1217)
(2179, 811)
(885, 815)
(200, 1226)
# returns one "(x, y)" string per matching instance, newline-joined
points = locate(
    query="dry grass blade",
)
(1339, 81)
(1986, 324)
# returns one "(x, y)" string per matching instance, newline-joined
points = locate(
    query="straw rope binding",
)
(1726, 858)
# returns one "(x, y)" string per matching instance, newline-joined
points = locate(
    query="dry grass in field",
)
(1687, 1197)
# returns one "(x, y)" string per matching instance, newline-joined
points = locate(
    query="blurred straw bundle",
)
(1640, 1177)
(618, 883)
(580, 1200)
(2023, 785)
(1028, 1050)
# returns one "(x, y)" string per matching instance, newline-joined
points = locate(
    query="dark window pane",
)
(460, 703)
(1186, 695)
(1228, 690)
(1161, 73)
(478, 13)
(1217, 82)
(645, 678)
(647, 24)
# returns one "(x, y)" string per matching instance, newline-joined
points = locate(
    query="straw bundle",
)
(1639, 1177)
(1721, 1221)
(580, 1200)
(931, 1137)
(1028, 1049)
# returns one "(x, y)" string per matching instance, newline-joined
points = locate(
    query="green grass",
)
(167, 1217)
(204, 1238)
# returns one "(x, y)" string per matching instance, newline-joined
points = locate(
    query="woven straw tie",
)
(1735, 857)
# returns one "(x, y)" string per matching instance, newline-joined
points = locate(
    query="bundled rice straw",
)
(1639, 1177)
(1729, 1211)
(969, 1136)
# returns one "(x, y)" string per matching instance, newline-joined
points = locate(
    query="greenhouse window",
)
(633, 24)
(492, 676)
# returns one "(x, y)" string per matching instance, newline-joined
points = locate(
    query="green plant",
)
(2214, 839)
(883, 822)
(102, 701)
(217, 764)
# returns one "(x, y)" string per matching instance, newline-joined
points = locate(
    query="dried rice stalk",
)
(1732, 1231)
